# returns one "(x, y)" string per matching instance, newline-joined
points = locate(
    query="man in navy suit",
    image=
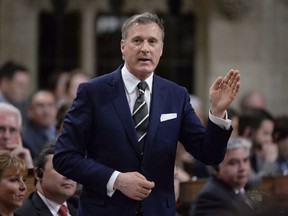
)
(98, 146)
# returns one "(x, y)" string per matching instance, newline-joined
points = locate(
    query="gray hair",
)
(239, 142)
(143, 18)
(6, 107)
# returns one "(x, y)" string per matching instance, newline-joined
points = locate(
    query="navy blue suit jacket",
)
(98, 137)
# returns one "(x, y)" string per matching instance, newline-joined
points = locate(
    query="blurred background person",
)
(221, 193)
(41, 125)
(57, 84)
(12, 185)
(75, 78)
(258, 125)
(280, 136)
(10, 133)
(15, 86)
(52, 189)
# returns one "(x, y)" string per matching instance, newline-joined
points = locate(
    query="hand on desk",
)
(134, 185)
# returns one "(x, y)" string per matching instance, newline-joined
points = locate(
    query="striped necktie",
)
(141, 114)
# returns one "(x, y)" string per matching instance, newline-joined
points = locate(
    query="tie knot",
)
(142, 86)
(63, 210)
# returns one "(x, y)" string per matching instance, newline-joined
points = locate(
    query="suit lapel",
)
(156, 107)
(121, 106)
(40, 205)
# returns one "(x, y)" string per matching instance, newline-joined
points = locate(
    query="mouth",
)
(143, 59)
(67, 185)
(20, 197)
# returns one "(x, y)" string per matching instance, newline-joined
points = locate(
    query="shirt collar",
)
(53, 206)
(237, 191)
(130, 81)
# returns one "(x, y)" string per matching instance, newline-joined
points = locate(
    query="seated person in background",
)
(10, 133)
(12, 185)
(258, 125)
(220, 195)
(40, 128)
(52, 189)
(280, 136)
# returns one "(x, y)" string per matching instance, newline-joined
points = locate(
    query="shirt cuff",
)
(221, 122)
(110, 184)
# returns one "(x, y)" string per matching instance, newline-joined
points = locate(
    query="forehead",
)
(144, 29)
(42, 97)
(8, 119)
(237, 154)
(49, 163)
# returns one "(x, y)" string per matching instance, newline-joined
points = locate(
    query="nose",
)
(22, 186)
(145, 47)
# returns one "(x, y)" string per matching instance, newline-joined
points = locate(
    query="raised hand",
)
(223, 91)
(134, 185)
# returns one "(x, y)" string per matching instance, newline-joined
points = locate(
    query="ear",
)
(122, 46)
(38, 174)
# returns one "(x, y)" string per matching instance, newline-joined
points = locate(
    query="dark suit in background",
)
(34, 206)
(216, 198)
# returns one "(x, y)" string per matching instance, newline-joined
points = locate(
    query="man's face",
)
(142, 49)
(235, 168)
(55, 186)
(9, 131)
(18, 87)
(43, 109)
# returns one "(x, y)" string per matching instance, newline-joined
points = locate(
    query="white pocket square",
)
(168, 116)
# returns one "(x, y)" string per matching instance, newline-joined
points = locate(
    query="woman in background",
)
(12, 185)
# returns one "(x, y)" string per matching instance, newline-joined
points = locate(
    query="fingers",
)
(232, 77)
(134, 185)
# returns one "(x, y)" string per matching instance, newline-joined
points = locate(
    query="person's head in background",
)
(10, 126)
(49, 182)
(235, 169)
(257, 125)
(12, 185)
(234, 117)
(252, 99)
(75, 78)
(42, 108)
(14, 82)
(57, 84)
(10, 133)
(280, 136)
